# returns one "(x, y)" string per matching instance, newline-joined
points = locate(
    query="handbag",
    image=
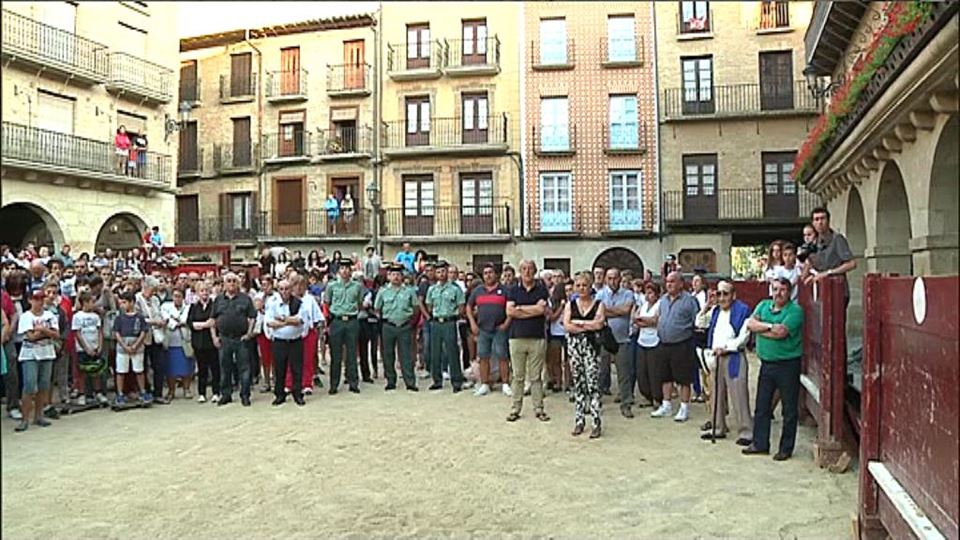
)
(607, 341)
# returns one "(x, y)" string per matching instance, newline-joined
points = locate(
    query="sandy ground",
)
(403, 465)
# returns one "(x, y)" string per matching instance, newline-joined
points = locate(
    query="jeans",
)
(157, 359)
(11, 381)
(233, 356)
(782, 375)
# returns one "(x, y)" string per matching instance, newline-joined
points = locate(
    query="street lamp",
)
(373, 195)
(818, 86)
(170, 125)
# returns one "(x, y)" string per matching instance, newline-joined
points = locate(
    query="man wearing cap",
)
(445, 302)
(282, 316)
(395, 305)
(235, 316)
(343, 296)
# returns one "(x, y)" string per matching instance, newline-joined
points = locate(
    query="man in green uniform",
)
(343, 296)
(445, 302)
(395, 305)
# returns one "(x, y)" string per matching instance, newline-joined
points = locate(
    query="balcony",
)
(235, 158)
(563, 221)
(313, 224)
(39, 46)
(60, 154)
(412, 63)
(744, 206)
(139, 78)
(740, 100)
(190, 163)
(545, 60)
(345, 81)
(446, 136)
(466, 58)
(238, 90)
(218, 230)
(286, 86)
(625, 139)
(448, 223)
(773, 17)
(295, 147)
(556, 142)
(623, 53)
(344, 143)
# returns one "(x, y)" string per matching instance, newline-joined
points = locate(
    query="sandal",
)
(577, 430)
(542, 416)
(595, 432)
(513, 416)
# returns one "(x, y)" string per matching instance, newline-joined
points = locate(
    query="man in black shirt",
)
(527, 308)
(234, 315)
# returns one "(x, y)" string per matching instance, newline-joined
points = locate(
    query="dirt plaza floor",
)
(403, 465)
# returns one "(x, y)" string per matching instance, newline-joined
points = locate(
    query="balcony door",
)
(55, 43)
(476, 203)
(474, 42)
(625, 201)
(290, 71)
(288, 207)
(418, 121)
(240, 74)
(188, 218)
(237, 212)
(340, 187)
(779, 190)
(418, 205)
(700, 187)
(475, 118)
(418, 46)
(292, 125)
(353, 65)
(241, 142)
(776, 80)
(188, 156)
(556, 195)
(698, 85)
(55, 142)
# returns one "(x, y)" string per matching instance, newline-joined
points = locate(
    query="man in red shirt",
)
(487, 313)
(11, 381)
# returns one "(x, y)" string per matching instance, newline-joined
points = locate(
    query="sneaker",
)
(308, 391)
(665, 409)
(188, 394)
(446, 375)
(507, 391)
(682, 414)
(82, 401)
(423, 374)
(74, 393)
(51, 412)
(482, 390)
(146, 397)
(120, 401)
(15, 414)
(201, 399)
(468, 385)
(215, 398)
(42, 422)
(22, 426)
(102, 399)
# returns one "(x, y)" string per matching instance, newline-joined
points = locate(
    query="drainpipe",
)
(262, 181)
(377, 114)
(517, 158)
(656, 124)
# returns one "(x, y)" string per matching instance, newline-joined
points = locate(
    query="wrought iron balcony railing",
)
(563, 219)
(315, 223)
(623, 52)
(426, 58)
(189, 90)
(348, 80)
(279, 147)
(190, 162)
(738, 100)
(447, 135)
(491, 220)
(548, 59)
(238, 89)
(236, 158)
(222, 229)
(749, 205)
(555, 141)
(41, 45)
(470, 56)
(287, 85)
(129, 74)
(78, 156)
(344, 142)
(625, 138)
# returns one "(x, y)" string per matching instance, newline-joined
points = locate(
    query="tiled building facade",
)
(590, 148)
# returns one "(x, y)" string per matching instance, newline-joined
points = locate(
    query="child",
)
(130, 331)
(86, 327)
(39, 328)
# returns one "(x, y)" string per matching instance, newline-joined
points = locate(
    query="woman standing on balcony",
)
(121, 143)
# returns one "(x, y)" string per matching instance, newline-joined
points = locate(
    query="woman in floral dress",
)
(583, 317)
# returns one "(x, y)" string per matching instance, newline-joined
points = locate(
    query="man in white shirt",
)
(790, 269)
(726, 341)
(283, 318)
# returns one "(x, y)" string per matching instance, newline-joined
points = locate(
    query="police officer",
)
(395, 305)
(343, 296)
(445, 302)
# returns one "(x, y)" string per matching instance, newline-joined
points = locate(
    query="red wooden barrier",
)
(909, 433)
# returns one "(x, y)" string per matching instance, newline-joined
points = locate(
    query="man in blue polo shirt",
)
(617, 305)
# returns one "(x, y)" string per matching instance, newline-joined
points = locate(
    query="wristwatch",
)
(769, 327)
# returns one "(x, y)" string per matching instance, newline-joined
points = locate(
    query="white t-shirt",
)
(87, 325)
(648, 336)
(770, 275)
(793, 275)
(37, 350)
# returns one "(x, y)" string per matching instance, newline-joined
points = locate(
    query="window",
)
(476, 203)
(241, 75)
(189, 159)
(134, 40)
(700, 175)
(474, 46)
(475, 118)
(558, 264)
(554, 125)
(774, 15)
(418, 205)
(188, 82)
(694, 17)
(621, 39)
(625, 200)
(556, 202)
(553, 41)
(55, 112)
(58, 45)
(418, 46)
(624, 132)
(292, 126)
(776, 80)
(697, 85)
(418, 121)
(778, 173)
(188, 218)
(242, 156)
(241, 205)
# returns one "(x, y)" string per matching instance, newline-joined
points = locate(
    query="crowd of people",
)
(71, 323)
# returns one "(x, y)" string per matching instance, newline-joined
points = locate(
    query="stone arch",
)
(892, 252)
(120, 231)
(622, 258)
(24, 222)
(856, 233)
(942, 217)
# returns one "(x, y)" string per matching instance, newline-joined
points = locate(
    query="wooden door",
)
(241, 142)
(418, 46)
(418, 205)
(698, 85)
(700, 188)
(340, 187)
(188, 218)
(290, 71)
(418, 121)
(780, 199)
(188, 158)
(475, 119)
(474, 46)
(353, 65)
(776, 80)
(288, 207)
(476, 203)
(240, 75)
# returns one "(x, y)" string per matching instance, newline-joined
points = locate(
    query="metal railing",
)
(744, 205)
(638, 48)
(277, 147)
(739, 99)
(245, 87)
(447, 133)
(81, 155)
(537, 63)
(774, 15)
(282, 84)
(315, 223)
(190, 162)
(457, 58)
(555, 146)
(140, 76)
(53, 47)
(344, 141)
(625, 139)
(219, 229)
(567, 222)
(398, 59)
(447, 221)
(232, 158)
(344, 78)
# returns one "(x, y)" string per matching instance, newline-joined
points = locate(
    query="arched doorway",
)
(120, 232)
(621, 258)
(856, 230)
(943, 202)
(893, 223)
(21, 223)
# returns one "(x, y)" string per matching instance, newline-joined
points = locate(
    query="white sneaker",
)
(665, 409)
(682, 414)
(201, 399)
(308, 391)
(215, 398)
(507, 391)
(102, 399)
(15, 414)
(468, 385)
(82, 401)
(446, 375)
(482, 390)
(424, 374)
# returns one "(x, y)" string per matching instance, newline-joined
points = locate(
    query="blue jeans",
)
(234, 356)
(782, 375)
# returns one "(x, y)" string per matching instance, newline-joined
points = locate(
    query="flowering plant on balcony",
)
(901, 18)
